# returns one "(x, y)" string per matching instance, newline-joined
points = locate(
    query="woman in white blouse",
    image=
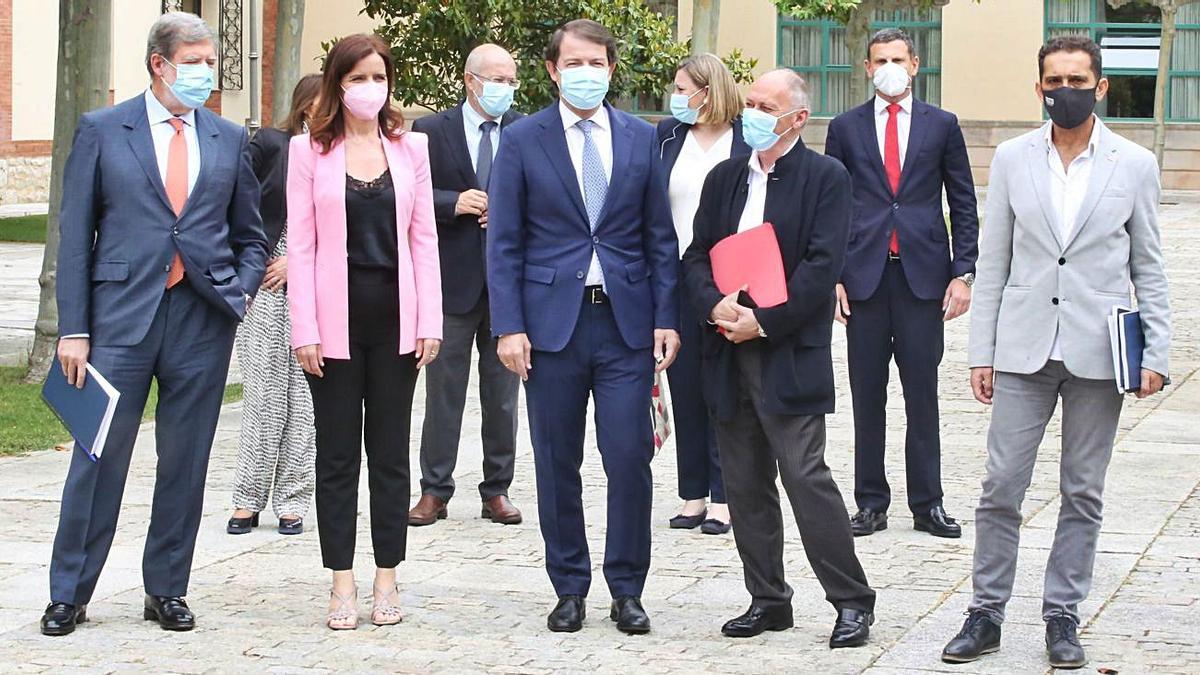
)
(704, 130)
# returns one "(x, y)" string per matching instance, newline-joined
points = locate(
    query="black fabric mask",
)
(1069, 107)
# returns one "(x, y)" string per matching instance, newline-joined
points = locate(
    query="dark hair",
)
(1071, 43)
(588, 30)
(306, 91)
(328, 124)
(887, 35)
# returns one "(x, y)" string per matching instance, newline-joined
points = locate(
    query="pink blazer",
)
(317, 268)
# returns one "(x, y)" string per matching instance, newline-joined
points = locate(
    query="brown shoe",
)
(501, 510)
(429, 509)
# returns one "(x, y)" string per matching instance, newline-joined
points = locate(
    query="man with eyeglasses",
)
(462, 146)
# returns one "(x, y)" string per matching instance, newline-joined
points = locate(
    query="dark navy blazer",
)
(936, 157)
(119, 232)
(539, 242)
(671, 135)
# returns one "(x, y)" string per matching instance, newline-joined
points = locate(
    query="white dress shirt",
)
(162, 131)
(687, 179)
(1068, 186)
(602, 137)
(903, 124)
(756, 197)
(471, 121)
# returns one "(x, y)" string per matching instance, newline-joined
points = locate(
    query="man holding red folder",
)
(769, 376)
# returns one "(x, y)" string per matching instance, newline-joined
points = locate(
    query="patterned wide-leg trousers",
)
(278, 437)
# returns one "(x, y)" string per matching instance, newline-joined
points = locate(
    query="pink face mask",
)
(365, 100)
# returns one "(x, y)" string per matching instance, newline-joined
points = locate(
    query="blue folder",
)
(1128, 341)
(86, 413)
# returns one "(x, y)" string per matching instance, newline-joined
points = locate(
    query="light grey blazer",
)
(1031, 284)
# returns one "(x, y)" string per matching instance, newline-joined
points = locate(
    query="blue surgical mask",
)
(758, 128)
(496, 97)
(193, 83)
(682, 110)
(583, 86)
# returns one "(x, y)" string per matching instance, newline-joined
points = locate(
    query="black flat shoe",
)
(568, 614)
(170, 613)
(61, 618)
(852, 629)
(937, 523)
(867, 522)
(291, 525)
(242, 525)
(714, 526)
(631, 618)
(759, 619)
(979, 635)
(1062, 644)
(682, 522)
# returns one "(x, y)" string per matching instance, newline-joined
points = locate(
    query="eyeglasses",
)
(514, 83)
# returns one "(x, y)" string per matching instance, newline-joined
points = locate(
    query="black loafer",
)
(852, 629)
(631, 618)
(170, 613)
(242, 525)
(291, 525)
(756, 620)
(682, 522)
(937, 523)
(1062, 644)
(714, 526)
(61, 618)
(979, 635)
(568, 614)
(867, 522)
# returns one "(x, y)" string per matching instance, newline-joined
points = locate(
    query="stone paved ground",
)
(476, 594)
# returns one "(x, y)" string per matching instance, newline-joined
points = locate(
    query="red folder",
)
(751, 259)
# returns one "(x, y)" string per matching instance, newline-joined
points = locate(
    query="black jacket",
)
(460, 239)
(269, 157)
(808, 202)
(672, 133)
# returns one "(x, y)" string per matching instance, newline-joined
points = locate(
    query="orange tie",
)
(177, 188)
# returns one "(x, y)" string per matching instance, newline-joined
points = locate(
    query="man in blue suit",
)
(582, 272)
(904, 275)
(161, 245)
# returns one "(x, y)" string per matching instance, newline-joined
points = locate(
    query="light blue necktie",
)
(595, 182)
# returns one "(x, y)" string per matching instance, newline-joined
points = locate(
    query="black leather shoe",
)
(291, 525)
(852, 629)
(631, 618)
(867, 522)
(170, 613)
(937, 523)
(682, 522)
(714, 526)
(61, 618)
(1062, 644)
(759, 619)
(242, 525)
(980, 635)
(568, 614)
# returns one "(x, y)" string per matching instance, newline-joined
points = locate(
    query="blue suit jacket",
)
(936, 157)
(119, 232)
(540, 244)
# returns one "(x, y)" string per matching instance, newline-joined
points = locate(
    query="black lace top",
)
(371, 222)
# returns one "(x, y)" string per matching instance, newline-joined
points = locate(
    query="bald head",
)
(784, 88)
(487, 57)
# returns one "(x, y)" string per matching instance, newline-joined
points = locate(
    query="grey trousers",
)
(1022, 406)
(446, 382)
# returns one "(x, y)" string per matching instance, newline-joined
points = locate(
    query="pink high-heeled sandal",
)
(345, 617)
(386, 610)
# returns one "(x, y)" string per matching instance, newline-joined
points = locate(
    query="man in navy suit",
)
(582, 273)
(161, 244)
(904, 275)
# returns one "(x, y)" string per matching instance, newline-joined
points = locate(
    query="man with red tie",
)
(904, 275)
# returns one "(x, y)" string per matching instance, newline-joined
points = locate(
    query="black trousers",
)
(757, 446)
(895, 322)
(698, 463)
(366, 397)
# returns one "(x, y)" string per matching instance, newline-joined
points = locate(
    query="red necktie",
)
(891, 161)
(177, 188)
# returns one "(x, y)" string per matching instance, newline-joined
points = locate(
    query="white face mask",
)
(891, 79)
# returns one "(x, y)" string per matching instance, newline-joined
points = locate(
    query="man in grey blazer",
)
(1071, 226)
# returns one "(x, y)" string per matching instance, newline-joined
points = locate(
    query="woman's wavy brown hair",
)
(328, 125)
(303, 95)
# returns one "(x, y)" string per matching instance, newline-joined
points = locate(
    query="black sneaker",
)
(980, 635)
(1062, 644)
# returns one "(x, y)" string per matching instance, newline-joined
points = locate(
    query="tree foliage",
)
(430, 40)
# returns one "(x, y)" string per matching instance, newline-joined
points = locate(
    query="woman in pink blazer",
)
(366, 307)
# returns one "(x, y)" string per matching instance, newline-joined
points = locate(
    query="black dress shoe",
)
(631, 618)
(980, 635)
(568, 614)
(291, 525)
(1062, 644)
(867, 522)
(852, 629)
(61, 618)
(242, 525)
(682, 522)
(714, 526)
(170, 613)
(937, 523)
(759, 619)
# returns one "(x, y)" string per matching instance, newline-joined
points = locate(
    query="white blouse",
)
(687, 179)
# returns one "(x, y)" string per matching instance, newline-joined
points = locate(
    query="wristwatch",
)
(968, 279)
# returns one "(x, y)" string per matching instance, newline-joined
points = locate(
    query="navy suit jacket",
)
(936, 157)
(119, 232)
(460, 239)
(539, 242)
(671, 134)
